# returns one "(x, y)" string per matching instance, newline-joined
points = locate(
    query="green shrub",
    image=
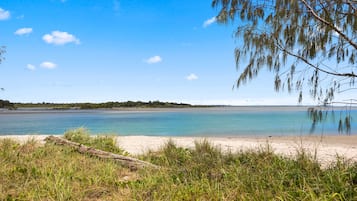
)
(102, 142)
(80, 135)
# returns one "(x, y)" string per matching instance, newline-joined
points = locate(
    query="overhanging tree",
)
(303, 42)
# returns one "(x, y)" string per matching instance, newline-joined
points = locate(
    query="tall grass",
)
(50, 172)
(205, 173)
(103, 142)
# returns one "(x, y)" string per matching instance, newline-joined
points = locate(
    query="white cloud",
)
(23, 31)
(153, 60)
(191, 77)
(4, 14)
(60, 38)
(30, 67)
(209, 22)
(48, 65)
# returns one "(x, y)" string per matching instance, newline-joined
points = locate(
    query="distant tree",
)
(305, 43)
(6, 104)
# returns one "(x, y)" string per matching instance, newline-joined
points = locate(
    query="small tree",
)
(303, 42)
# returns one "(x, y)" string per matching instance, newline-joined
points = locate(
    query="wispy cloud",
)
(153, 60)
(209, 22)
(31, 67)
(48, 65)
(4, 14)
(191, 77)
(60, 38)
(23, 31)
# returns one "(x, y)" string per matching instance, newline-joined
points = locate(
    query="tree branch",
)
(350, 4)
(344, 36)
(314, 66)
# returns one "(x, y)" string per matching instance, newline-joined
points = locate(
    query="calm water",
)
(183, 122)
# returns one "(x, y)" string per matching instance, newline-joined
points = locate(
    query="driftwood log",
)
(130, 162)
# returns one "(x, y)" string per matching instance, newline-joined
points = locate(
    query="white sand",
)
(325, 148)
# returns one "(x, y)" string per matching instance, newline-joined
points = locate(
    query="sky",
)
(118, 50)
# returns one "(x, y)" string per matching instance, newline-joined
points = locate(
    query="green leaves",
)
(300, 34)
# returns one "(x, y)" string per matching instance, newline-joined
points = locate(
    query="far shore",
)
(325, 148)
(247, 108)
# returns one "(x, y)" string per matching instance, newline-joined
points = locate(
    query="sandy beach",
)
(325, 148)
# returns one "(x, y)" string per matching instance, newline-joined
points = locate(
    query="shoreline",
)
(326, 149)
(247, 108)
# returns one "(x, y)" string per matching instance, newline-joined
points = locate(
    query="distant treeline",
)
(140, 104)
(6, 104)
(127, 104)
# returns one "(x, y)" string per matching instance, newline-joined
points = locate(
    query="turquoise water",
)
(242, 121)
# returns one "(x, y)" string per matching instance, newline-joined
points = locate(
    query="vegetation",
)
(318, 37)
(102, 142)
(50, 172)
(205, 173)
(6, 104)
(127, 104)
(305, 43)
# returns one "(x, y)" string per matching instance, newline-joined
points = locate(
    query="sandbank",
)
(325, 148)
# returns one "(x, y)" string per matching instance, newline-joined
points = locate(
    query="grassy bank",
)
(51, 172)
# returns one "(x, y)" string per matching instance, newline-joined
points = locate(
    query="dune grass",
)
(102, 142)
(205, 173)
(51, 172)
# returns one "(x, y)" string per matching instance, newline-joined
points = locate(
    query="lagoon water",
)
(220, 121)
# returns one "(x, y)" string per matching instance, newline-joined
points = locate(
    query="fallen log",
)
(130, 162)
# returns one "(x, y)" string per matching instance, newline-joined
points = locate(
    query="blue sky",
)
(105, 50)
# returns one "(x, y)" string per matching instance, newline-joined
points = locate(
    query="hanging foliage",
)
(305, 43)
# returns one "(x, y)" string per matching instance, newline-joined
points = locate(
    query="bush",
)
(102, 142)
